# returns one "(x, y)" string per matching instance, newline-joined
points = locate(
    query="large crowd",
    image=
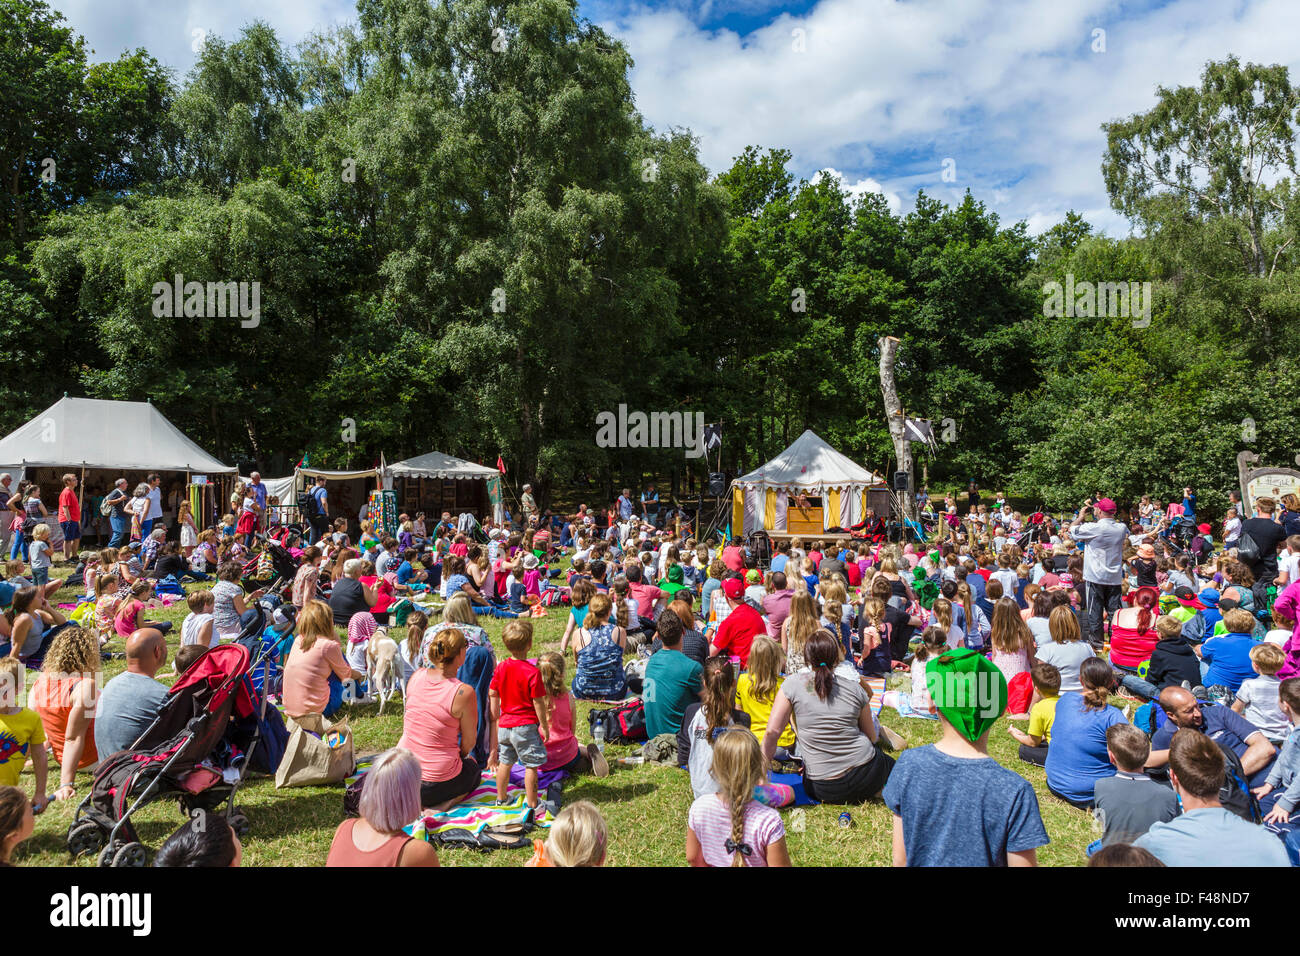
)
(752, 664)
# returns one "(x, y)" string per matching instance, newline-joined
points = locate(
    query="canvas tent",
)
(348, 490)
(835, 485)
(113, 436)
(435, 482)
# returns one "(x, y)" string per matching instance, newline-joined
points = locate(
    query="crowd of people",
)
(759, 668)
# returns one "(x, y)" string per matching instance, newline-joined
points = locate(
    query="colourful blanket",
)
(480, 810)
(877, 692)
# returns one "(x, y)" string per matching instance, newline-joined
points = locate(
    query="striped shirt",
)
(710, 821)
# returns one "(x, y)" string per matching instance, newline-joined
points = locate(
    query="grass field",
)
(645, 806)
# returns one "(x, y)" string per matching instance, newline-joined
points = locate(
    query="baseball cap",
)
(7, 591)
(733, 588)
(1187, 598)
(282, 619)
(753, 577)
(1107, 505)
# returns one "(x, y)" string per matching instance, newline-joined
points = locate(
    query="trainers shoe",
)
(599, 765)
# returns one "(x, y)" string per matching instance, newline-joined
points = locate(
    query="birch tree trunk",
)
(894, 415)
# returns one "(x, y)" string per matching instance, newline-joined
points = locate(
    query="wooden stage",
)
(810, 536)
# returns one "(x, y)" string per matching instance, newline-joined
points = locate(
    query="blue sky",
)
(1006, 96)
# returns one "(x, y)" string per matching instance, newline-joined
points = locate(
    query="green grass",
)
(644, 806)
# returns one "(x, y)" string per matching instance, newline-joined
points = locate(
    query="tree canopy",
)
(466, 237)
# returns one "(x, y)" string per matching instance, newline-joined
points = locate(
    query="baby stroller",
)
(273, 568)
(170, 760)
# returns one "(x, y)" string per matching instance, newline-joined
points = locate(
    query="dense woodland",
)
(467, 239)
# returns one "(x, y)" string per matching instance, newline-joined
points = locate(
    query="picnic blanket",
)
(877, 692)
(480, 810)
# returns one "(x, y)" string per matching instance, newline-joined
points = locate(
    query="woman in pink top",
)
(441, 724)
(315, 670)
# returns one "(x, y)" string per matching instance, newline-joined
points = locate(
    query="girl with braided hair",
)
(730, 827)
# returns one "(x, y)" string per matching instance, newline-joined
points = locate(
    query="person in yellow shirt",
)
(1047, 690)
(22, 734)
(756, 691)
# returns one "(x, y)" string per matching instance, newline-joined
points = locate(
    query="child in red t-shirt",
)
(518, 701)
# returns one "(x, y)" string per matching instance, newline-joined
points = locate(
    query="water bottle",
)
(599, 734)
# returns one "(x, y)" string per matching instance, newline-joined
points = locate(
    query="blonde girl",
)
(798, 627)
(941, 615)
(731, 816)
(417, 622)
(563, 752)
(578, 837)
(1011, 640)
(756, 691)
(189, 530)
(580, 594)
(107, 598)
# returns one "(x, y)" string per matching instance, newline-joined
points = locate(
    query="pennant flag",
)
(712, 436)
(304, 463)
(920, 429)
(501, 465)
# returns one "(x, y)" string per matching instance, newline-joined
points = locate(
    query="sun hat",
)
(753, 577)
(1147, 551)
(968, 689)
(1203, 528)
(733, 588)
(1209, 597)
(530, 561)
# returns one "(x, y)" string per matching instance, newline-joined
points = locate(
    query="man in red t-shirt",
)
(70, 517)
(740, 628)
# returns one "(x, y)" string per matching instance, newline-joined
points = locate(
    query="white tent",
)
(809, 466)
(116, 436)
(435, 464)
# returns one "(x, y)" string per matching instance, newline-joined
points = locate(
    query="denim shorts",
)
(71, 530)
(521, 745)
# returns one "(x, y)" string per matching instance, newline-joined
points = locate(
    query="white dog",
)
(384, 670)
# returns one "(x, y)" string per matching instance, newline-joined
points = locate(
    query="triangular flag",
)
(501, 465)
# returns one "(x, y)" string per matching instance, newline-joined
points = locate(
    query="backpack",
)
(106, 507)
(1235, 795)
(1248, 549)
(623, 724)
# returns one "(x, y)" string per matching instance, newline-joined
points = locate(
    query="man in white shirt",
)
(1103, 558)
(155, 506)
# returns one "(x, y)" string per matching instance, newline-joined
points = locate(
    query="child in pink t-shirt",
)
(563, 752)
(127, 618)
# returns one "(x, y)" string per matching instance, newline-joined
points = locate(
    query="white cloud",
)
(1009, 89)
(860, 188)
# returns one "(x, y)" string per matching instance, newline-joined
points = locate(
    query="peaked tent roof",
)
(437, 465)
(809, 463)
(91, 433)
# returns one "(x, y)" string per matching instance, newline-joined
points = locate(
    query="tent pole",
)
(81, 492)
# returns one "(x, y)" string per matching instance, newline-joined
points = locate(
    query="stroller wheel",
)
(130, 854)
(85, 837)
(239, 822)
(106, 855)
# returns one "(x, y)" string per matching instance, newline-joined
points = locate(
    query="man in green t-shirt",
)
(672, 680)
